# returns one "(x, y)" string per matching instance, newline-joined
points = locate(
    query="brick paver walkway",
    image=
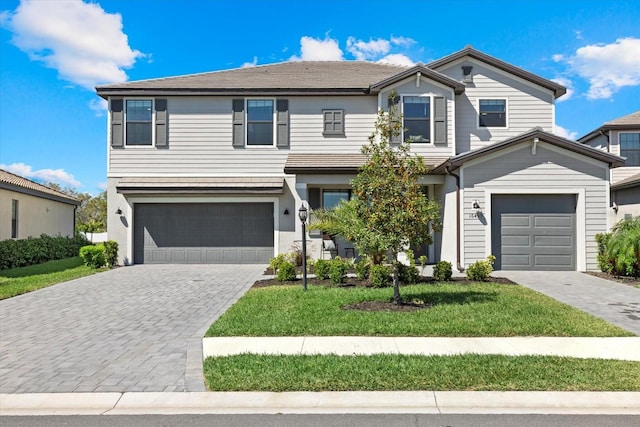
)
(136, 328)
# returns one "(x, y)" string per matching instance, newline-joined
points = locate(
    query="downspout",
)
(606, 135)
(75, 208)
(457, 177)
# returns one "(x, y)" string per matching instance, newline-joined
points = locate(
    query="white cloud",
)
(396, 59)
(99, 106)
(402, 41)
(608, 68)
(565, 133)
(557, 57)
(59, 176)
(80, 40)
(568, 84)
(366, 51)
(251, 64)
(318, 50)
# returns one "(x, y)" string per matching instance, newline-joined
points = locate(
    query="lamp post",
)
(302, 214)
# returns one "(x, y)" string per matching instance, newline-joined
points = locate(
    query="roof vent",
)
(466, 74)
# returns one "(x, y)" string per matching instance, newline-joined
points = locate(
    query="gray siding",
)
(527, 107)
(200, 135)
(547, 170)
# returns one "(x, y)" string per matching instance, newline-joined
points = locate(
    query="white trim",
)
(153, 122)
(581, 226)
(390, 87)
(506, 113)
(274, 118)
(132, 201)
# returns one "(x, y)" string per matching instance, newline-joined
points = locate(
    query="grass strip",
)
(16, 281)
(459, 310)
(248, 372)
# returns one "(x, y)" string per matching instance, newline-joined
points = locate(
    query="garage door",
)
(534, 232)
(203, 233)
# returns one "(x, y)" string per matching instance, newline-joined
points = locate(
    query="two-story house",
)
(622, 137)
(212, 167)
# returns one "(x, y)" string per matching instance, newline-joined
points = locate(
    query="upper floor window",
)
(260, 122)
(493, 113)
(417, 118)
(14, 219)
(333, 122)
(630, 148)
(331, 198)
(139, 116)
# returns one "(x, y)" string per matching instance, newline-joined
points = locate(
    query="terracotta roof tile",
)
(13, 180)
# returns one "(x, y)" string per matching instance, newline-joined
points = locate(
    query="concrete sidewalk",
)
(367, 402)
(621, 348)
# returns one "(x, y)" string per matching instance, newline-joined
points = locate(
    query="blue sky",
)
(53, 52)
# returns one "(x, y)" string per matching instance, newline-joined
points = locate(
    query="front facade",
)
(212, 168)
(29, 209)
(622, 137)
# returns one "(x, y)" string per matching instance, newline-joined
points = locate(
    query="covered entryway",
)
(534, 231)
(203, 233)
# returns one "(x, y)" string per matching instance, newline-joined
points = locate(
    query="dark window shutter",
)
(440, 120)
(393, 102)
(162, 124)
(117, 117)
(282, 121)
(238, 123)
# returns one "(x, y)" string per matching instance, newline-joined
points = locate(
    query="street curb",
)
(348, 402)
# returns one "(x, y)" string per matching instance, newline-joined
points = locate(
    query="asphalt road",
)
(421, 420)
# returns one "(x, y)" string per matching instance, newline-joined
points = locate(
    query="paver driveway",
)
(135, 328)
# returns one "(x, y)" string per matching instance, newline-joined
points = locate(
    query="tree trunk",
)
(396, 282)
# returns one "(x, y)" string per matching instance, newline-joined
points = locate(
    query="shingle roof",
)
(286, 77)
(630, 121)
(301, 163)
(630, 181)
(15, 182)
(469, 51)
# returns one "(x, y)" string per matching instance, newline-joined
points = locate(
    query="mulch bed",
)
(352, 282)
(386, 306)
(631, 281)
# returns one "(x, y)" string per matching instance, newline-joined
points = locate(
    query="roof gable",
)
(470, 52)
(457, 161)
(424, 72)
(628, 122)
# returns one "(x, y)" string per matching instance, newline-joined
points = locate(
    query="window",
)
(139, 114)
(331, 198)
(333, 122)
(417, 118)
(259, 122)
(630, 148)
(14, 219)
(493, 113)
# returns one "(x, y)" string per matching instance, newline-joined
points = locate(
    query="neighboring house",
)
(212, 167)
(31, 209)
(622, 137)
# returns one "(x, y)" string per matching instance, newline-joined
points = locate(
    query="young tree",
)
(91, 214)
(387, 196)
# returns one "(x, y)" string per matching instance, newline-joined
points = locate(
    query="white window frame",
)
(273, 121)
(620, 143)
(153, 122)
(506, 113)
(431, 113)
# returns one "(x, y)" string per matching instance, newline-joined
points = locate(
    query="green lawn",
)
(477, 310)
(396, 372)
(18, 281)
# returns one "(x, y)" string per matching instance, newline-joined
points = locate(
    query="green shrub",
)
(36, 250)
(286, 271)
(363, 266)
(619, 251)
(111, 252)
(276, 262)
(480, 270)
(93, 255)
(408, 274)
(380, 276)
(321, 269)
(338, 269)
(423, 262)
(442, 271)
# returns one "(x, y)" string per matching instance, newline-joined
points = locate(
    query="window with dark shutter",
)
(417, 118)
(139, 117)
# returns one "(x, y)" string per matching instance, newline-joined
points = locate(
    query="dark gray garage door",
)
(534, 231)
(203, 233)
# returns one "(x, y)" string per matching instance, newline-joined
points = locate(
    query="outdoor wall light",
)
(286, 211)
(476, 205)
(118, 211)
